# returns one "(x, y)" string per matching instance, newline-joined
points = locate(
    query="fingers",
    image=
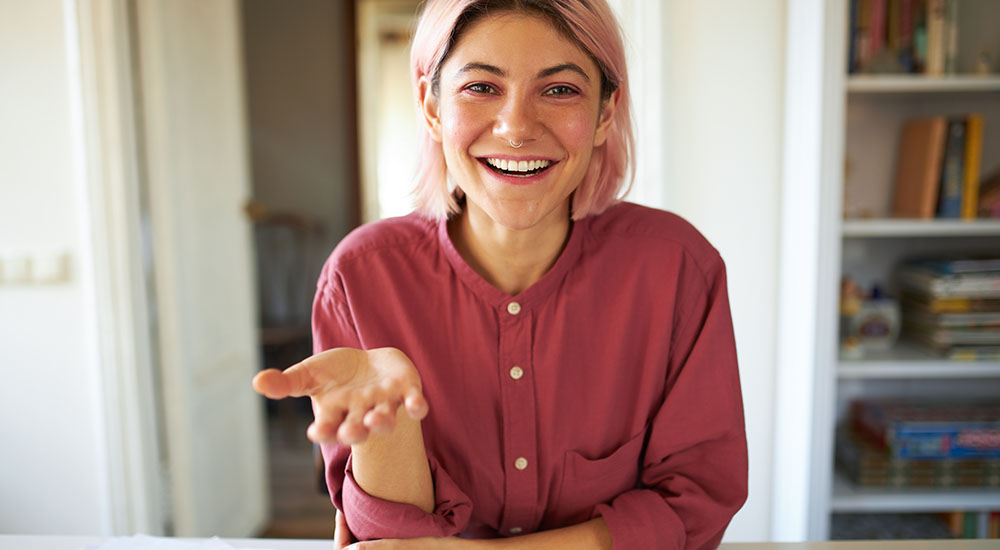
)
(271, 383)
(295, 381)
(341, 533)
(381, 419)
(311, 375)
(416, 404)
(352, 430)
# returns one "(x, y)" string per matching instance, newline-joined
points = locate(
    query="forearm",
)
(590, 535)
(394, 466)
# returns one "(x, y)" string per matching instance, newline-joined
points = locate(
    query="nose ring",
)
(517, 145)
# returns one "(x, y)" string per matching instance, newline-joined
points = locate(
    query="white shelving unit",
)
(847, 219)
(850, 499)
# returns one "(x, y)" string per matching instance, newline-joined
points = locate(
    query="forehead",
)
(514, 40)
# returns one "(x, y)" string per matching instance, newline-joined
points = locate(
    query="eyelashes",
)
(560, 90)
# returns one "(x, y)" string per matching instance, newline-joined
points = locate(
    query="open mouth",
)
(517, 168)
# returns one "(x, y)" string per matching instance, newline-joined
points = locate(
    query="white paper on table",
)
(146, 542)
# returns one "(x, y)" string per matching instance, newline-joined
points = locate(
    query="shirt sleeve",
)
(370, 517)
(694, 470)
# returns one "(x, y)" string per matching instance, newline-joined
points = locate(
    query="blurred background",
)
(173, 173)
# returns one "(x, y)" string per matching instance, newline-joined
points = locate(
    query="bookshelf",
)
(860, 117)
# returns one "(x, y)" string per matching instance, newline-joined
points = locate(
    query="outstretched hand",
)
(354, 392)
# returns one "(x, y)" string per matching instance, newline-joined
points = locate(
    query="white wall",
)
(724, 119)
(52, 480)
(709, 110)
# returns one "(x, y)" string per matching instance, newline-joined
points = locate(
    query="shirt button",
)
(521, 463)
(513, 308)
(515, 530)
(516, 373)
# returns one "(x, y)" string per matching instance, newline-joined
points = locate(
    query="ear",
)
(608, 109)
(429, 108)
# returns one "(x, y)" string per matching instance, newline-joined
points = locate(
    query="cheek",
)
(460, 125)
(576, 131)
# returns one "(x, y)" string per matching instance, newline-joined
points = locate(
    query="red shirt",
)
(608, 388)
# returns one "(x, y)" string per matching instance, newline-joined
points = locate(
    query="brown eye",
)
(560, 91)
(480, 88)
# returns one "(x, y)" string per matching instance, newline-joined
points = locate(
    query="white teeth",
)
(517, 166)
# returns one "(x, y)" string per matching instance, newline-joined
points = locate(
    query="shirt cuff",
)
(372, 518)
(635, 519)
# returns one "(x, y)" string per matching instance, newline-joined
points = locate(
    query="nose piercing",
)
(517, 145)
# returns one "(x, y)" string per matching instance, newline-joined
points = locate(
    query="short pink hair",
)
(590, 24)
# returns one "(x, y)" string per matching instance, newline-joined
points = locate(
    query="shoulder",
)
(379, 240)
(654, 234)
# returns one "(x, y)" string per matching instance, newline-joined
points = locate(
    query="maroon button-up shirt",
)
(608, 388)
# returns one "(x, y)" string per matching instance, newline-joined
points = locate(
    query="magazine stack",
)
(906, 443)
(953, 306)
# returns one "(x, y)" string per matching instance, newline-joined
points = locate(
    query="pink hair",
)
(589, 23)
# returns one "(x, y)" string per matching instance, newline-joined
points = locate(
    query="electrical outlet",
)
(51, 268)
(15, 268)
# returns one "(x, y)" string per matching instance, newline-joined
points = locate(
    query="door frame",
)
(114, 269)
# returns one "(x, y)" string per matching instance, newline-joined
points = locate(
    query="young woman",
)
(526, 361)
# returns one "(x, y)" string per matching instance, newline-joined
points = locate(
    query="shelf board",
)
(922, 369)
(884, 227)
(848, 498)
(905, 83)
(908, 360)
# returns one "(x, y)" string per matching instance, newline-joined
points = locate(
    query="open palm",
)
(354, 392)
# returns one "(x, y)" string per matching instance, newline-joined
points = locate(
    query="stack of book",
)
(903, 36)
(953, 306)
(904, 443)
(937, 168)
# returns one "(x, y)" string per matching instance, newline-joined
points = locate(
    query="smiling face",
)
(515, 78)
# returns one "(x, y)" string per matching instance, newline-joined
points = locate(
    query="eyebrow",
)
(475, 66)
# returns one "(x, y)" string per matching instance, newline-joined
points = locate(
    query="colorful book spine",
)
(951, 38)
(937, 12)
(950, 198)
(972, 164)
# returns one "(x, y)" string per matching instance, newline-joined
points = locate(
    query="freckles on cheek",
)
(457, 128)
(578, 130)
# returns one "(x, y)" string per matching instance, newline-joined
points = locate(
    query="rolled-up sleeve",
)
(694, 470)
(370, 517)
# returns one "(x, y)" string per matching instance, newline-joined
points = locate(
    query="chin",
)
(517, 217)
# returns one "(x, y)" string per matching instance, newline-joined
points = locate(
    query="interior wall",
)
(300, 90)
(723, 127)
(49, 415)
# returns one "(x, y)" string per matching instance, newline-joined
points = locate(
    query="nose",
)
(516, 120)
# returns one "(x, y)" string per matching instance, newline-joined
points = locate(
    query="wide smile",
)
(525, 168)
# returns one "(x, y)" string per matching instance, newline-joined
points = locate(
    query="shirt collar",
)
(531, 296)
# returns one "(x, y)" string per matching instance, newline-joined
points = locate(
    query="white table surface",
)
(58, 542)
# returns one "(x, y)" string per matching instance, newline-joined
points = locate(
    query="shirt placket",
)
(519, 421)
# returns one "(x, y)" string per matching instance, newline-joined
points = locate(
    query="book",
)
(973, 353)
(929, 429)
(989, 196)
(937, 16)
(959, 304)
(950, 195)
(918, 279)
(918, 167)
(951, 37)
(956, 266)
(971, 165)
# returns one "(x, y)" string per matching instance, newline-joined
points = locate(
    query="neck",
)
(509, 259)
